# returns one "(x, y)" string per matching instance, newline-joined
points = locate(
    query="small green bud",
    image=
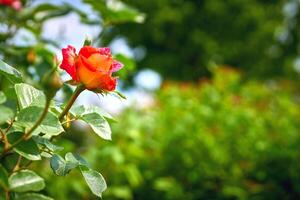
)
(51, 83)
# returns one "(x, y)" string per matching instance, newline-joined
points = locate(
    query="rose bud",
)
(51, 83)
(92, 67)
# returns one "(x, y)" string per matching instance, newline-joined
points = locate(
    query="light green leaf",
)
(32, 196)
(3, 177)
(2, 97)
(94, 180)
(10, 73)
(99, 125)
(96, 118)
(25, 180)
(29, 96)
(27, 148)
(5, 114)
(50, 126)
(78, 111)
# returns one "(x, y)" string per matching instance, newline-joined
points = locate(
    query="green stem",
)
(39, 121)
(76, 93)
(28, 134)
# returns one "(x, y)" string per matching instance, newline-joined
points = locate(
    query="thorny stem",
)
(76, 93)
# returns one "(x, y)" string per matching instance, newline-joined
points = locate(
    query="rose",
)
(16, 4)
(93, 67)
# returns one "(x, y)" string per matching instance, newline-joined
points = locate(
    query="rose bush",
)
(93, 67)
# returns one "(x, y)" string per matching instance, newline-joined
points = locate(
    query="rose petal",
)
(105, 51)
(87, 51)
(108, 83)
(116, 66)
(68, 62)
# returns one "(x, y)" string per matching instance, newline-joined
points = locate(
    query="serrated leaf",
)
(50, 126)
(99, 124)
(32, 196)
(25, 180)
(3, 177)
(78, 111)
(62, 167)
(5, 114)
(10, 73)
(2, 97)
(94, 180)
(27, 148)
(29, 96)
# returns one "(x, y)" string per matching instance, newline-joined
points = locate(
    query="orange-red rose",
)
(92, 67)
(16, 4)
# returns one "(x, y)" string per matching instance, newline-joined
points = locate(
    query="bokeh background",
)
(212, 86)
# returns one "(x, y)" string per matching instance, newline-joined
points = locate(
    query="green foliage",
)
(26, 136)
(25, 180)
(182, 39)
(219, 139)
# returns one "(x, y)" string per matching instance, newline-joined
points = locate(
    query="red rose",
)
(16, 4)
(93, 67)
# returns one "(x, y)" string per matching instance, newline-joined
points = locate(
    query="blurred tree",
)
(181, 38)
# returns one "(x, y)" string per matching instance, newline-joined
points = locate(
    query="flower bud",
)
(51, 83)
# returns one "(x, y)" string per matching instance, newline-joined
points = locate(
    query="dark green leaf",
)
(62, 167)
(3, 177)
(94, 180)
(10, 73)
(25, 180)
(27, 148)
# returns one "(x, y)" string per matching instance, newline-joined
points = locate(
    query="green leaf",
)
(62, 167)
(29, 96)
(50, 126)
(2, 97)
(25, 180)
(45, 142)
(78, 111)
(96, 118)
(32, 196)
(5, 114)
(81, 161)
(3, 177)
(27, 148)
(94, 180)
(115, 11)
(99, 125)
(10, 73)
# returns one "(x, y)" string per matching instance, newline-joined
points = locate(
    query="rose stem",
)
(74, 96)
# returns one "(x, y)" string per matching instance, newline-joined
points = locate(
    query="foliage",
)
(181, 39)
(219, 139)
(31, 120)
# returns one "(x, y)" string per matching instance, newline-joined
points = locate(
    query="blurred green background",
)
(213, 109)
